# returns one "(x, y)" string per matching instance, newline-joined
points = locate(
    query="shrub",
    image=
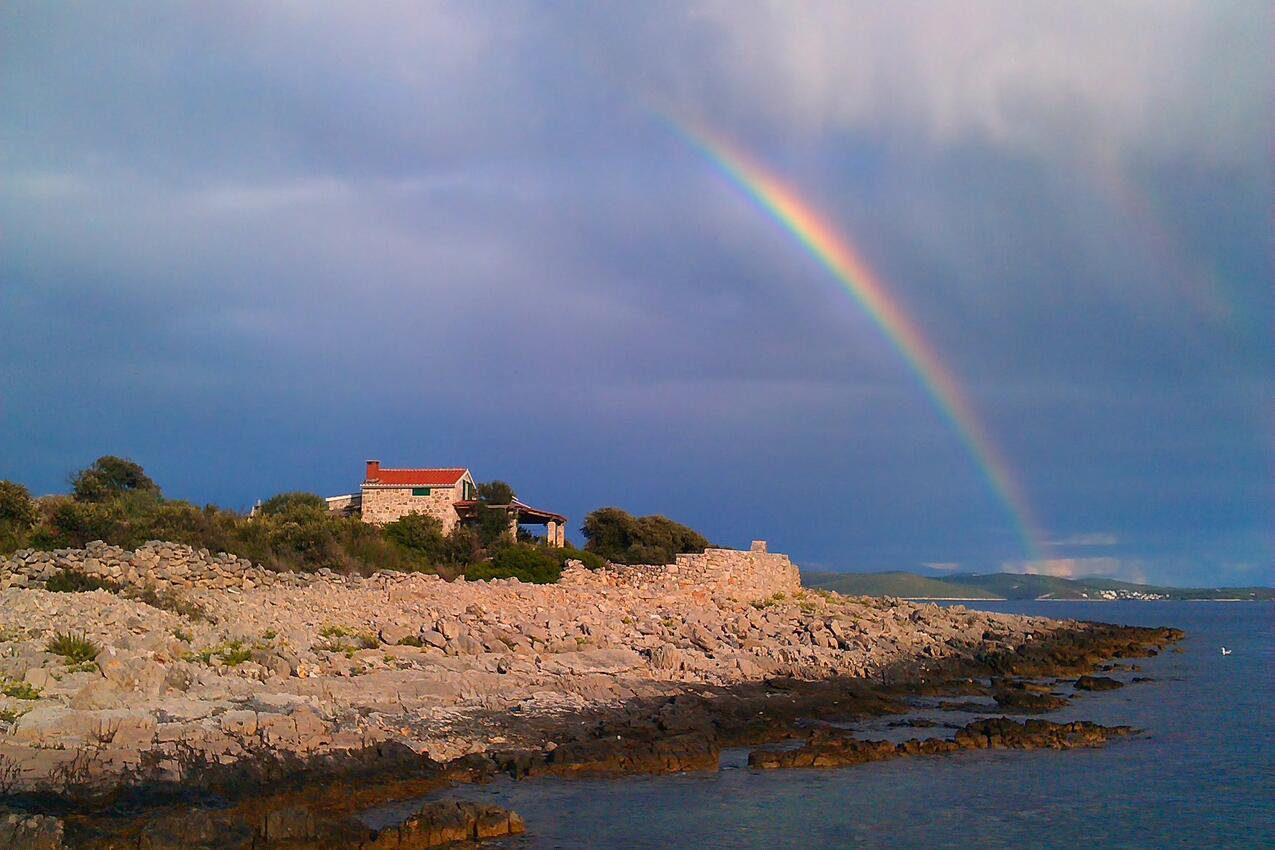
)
(18, 690)
(233, 653)
(287, 503)
(76, 649)
(618, 536)
(72, 523)
(534, 564)
(591, 560)
(17, 508)
(111, 476)
(74, 581)
(166, 600)
(420, 535)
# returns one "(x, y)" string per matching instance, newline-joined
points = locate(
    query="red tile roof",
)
(416, 477)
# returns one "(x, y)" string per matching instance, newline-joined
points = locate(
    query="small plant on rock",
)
(411, 640)
(76, 649)
(18, 690)
(74, 581)
(10, 716)
(234, 653)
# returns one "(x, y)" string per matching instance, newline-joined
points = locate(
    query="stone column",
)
(562, 534)
(551, 533)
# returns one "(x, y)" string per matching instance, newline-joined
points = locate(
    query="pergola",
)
(520, 514)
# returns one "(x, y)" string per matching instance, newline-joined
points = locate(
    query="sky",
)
(252, 245)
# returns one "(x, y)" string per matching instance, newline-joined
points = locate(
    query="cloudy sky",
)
(251, 245)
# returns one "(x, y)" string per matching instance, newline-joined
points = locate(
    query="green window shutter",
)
(420, 491)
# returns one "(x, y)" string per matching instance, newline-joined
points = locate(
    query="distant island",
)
(1016, 586)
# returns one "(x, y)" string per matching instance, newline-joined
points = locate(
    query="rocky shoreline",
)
(353, 703)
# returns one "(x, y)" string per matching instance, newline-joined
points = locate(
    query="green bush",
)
(618, 536)
(591, 560)
(74, 581)
(111, 476)
(17, 508)
(18, 690)
(419, 534)
(70, 523)
(76, 649)
(533, 564)
(286, 503)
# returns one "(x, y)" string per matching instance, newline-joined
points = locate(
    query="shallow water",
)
(1203, 775)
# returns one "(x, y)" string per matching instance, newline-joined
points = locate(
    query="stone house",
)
(448, 494)
(388, 494)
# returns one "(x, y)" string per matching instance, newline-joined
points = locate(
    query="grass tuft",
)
(76, 649)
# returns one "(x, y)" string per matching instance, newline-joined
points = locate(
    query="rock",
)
(464, 645)
(193, 828)
(38, 678)
(289, 822)
(98, 694)
(667, 658)
(829, 747)
(1027, 702)
(133, 673)
(446, 821)
(394, 634)
(431, 637)
(22, 831)
(1097, 683)
(597, 661)
(452, 629)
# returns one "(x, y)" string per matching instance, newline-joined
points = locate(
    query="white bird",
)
(1225, 651)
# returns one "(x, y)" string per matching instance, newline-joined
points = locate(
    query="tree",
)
(496, 493)
(618, 536)
(608, 531)
(491, 519)
(109, 477)
(17, 509)
(287, 503)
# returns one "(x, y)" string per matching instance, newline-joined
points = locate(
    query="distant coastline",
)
(1013, 587)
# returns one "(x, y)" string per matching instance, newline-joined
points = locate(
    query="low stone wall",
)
(731, 573)
(155, 564)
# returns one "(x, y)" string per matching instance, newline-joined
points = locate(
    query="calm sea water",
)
(1202, 776)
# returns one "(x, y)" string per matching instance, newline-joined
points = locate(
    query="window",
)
(420, 491)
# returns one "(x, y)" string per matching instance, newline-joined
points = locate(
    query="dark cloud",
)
(251, 245)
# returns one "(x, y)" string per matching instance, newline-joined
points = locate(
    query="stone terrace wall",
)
(731, 573)
(157, 564)
(755, 574)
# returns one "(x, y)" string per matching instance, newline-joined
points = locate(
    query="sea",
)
(1202, 775)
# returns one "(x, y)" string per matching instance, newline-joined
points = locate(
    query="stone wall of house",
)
(347, 505)
(755, 574)
(156, 564)
(386, 504)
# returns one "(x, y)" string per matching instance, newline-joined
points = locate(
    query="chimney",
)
(373, 470)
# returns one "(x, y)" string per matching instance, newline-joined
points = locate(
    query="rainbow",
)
(839, 257)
